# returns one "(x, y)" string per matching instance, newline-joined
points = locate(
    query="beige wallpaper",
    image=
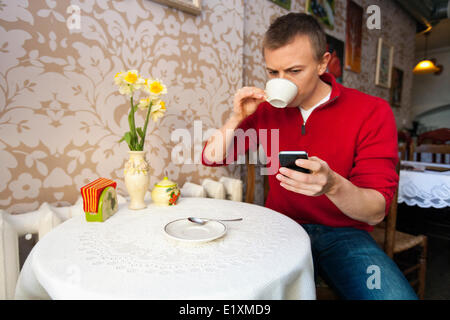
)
(61, 116)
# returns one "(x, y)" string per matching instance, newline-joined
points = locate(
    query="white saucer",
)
(184, 230)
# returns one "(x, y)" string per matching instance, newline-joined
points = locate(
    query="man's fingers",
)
(314, 164)
(291, 176)
(250, 92)
(296, 175)
(297, 190)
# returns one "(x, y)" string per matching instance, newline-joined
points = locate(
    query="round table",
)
(265, 256)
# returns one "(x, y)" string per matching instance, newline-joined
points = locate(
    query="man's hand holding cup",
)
(246, 101)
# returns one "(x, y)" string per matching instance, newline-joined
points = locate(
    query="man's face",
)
(296, 62)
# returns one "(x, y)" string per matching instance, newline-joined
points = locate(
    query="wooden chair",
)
(395, 242)
(251, 180)
(251, 177)
(439, 136)
(403, 151)
(434, 149)
(404, 141)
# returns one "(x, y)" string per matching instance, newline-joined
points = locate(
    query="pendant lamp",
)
(426, 66)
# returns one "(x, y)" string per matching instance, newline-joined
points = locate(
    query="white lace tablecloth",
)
(424, 188)
(265, 256)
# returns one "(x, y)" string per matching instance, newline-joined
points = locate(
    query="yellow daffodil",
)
(118, 78)
(129, 81)
(155, 87)
(158, 110)
(144, 103)
(131, 77)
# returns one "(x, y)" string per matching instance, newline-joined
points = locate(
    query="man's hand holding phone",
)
(320, 179)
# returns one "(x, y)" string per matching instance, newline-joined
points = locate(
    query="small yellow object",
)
(165, 193)
(425, 67)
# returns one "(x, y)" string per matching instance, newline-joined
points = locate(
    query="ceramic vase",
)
(136, 179)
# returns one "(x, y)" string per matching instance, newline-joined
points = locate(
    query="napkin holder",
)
(99, 200)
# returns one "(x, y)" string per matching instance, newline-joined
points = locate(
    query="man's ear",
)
(323, 64)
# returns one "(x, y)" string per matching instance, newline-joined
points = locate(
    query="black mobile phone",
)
(288, 158)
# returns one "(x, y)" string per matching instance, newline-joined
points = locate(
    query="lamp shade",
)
(425, 67)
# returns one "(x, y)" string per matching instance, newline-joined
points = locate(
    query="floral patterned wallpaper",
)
(61, 116)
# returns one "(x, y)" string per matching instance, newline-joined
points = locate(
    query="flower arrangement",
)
(129, 82)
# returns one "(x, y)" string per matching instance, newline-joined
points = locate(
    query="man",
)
(351, 138)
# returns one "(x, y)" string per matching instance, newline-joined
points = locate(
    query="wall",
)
(431, 91)
(434, 119)
(61, 116)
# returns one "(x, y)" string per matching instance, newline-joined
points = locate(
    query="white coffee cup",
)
(280, 92)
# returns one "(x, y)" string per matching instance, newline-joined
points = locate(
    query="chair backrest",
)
(391, 222)
(402, 150)
(404, 136)
(439, 136)
(250, 188)
(251, 183)
(433, 149)
(404, 139)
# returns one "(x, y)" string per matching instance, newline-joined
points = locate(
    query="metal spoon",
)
(203, 220)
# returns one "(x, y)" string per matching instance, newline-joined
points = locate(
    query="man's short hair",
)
(286, 28)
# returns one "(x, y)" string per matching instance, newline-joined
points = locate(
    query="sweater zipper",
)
(304, 122)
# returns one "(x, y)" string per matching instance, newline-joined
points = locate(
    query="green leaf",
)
(141, 146)
(140, 132)
(127, 138)
(133, 136)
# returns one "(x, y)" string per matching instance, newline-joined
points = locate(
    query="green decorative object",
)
(283, 3)
(107, 206)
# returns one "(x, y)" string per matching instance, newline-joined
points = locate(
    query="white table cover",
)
(424, 188)
(265, 256)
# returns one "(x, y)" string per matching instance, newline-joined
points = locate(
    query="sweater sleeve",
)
(245, 138)
(377, 153)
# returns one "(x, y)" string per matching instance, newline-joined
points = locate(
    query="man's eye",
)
(295, 71)
(273, 72)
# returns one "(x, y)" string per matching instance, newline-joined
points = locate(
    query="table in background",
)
(424, 199)
(265, 256)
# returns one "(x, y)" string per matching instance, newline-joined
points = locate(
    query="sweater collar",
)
(335, 89)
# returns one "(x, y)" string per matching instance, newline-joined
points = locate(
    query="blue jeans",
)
(354, 266)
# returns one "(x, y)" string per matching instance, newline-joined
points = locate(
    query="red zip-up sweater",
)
(353, 132)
